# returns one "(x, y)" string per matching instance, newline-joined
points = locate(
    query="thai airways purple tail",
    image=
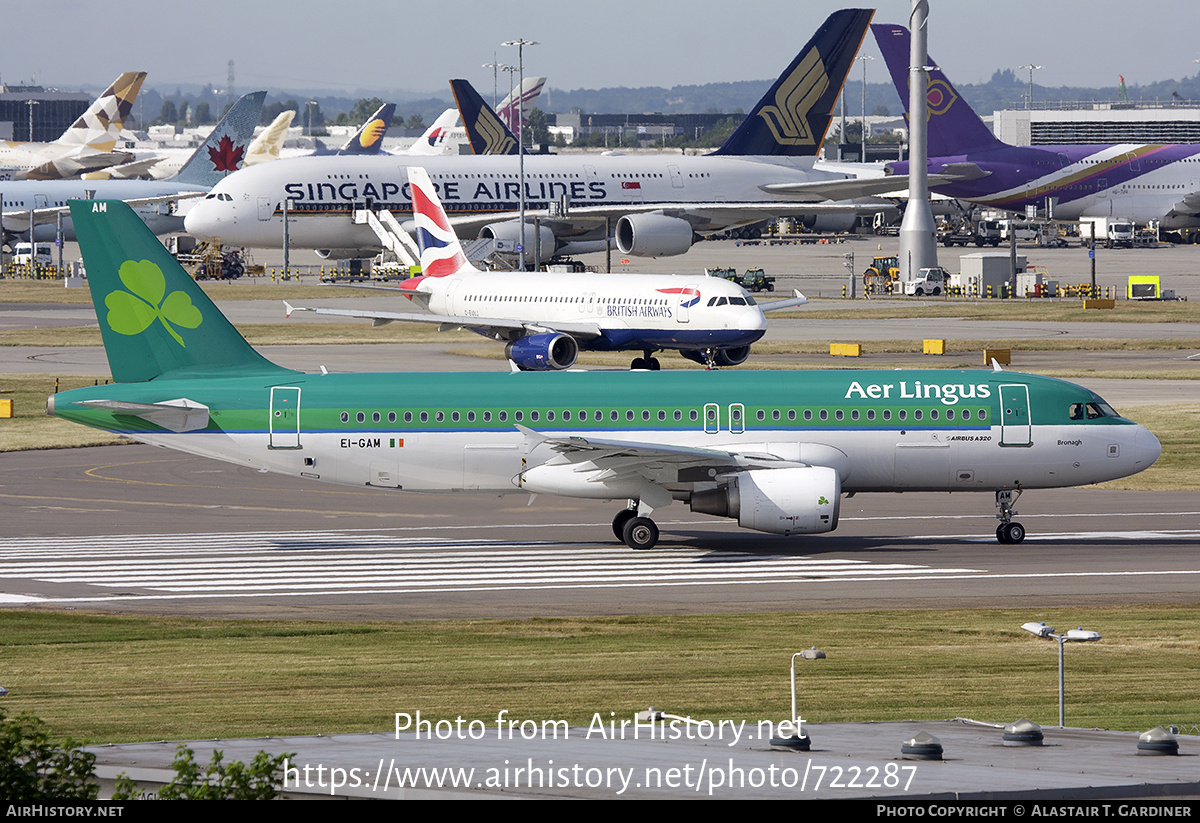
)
(954, 127)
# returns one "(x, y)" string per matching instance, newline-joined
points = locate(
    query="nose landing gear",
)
(1009, 532)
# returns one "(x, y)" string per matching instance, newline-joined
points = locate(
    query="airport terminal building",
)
(52, 112)
(1085, 123)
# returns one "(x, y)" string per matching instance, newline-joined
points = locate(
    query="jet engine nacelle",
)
(735, 356)
(543, 352)
(840, 223)
(345, 254)
(801, 500)
(508, 234)
(653, 235)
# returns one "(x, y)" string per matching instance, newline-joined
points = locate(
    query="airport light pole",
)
(308, 112)
(1080, 635)
(521, 44)
(1031, 68)
(495, 67)
(31, 104)
(864, 58)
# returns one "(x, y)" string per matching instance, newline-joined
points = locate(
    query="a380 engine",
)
(724, 358)
(801, 500)
(653, 235)
(543, 352)
(509, 233)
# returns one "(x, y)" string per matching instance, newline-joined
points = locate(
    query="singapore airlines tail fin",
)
(485, 130)
(99, 128)
(369, 138)
(954, 127)
(441, 253)
(153, 317)
(225, 150)
(793, 116)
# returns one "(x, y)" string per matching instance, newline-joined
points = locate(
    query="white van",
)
(24, 254)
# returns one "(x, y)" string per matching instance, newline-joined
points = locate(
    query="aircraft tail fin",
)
(153, 317)
(441, 253)
(485, 130)
(225, 149)
(527, 93)
(99, 127)
(434, 138)
(793, 116)
(369, 138)
(954, 127)
(269, 143)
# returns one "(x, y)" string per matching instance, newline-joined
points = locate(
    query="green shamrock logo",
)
(134, 311)
(822, 501)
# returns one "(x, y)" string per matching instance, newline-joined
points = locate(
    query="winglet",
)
(288, 307)
(996, 365)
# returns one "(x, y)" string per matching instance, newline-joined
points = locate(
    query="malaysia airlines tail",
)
(225, 150)
(369, 138)
(485, 130)
(434, 139)
(441, 253)
(954, 127)
(793, 116)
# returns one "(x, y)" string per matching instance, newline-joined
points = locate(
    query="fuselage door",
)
(266, 209)
(676, 177)
(687, 298)
(284, 424)
(1015, 428)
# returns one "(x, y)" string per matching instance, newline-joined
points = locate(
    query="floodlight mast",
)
(1079, 635)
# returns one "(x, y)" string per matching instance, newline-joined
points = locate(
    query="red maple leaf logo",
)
(226, 156)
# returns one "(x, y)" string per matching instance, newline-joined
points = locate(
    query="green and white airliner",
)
(775, 450)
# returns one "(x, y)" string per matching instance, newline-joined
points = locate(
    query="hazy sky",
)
(419, 44)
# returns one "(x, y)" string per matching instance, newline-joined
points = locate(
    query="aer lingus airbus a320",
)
(775, 450)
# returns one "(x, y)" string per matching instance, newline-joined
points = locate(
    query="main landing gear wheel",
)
(1010, 533)
(640, 533)
(623, 517)
(647, 363)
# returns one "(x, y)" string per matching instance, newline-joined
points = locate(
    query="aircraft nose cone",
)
(752, 321)
(200, 221)
(1146, 448)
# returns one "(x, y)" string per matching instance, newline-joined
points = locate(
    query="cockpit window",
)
(1092, 411)
(750, 301)
(737, 301)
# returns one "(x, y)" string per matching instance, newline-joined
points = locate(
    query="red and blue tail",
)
(441, 253)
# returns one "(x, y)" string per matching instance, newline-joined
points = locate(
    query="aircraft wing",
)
(136, 170)
(488, 326)
(20, 217)
(618, 456)
(891, 184)
(73, 165)
(797, 299)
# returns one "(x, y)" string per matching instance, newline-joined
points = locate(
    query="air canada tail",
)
(485, 130)
(954, 127)
(441, 253)
(369, 138)
(225, 150)
(793, 116)
(153, 317)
